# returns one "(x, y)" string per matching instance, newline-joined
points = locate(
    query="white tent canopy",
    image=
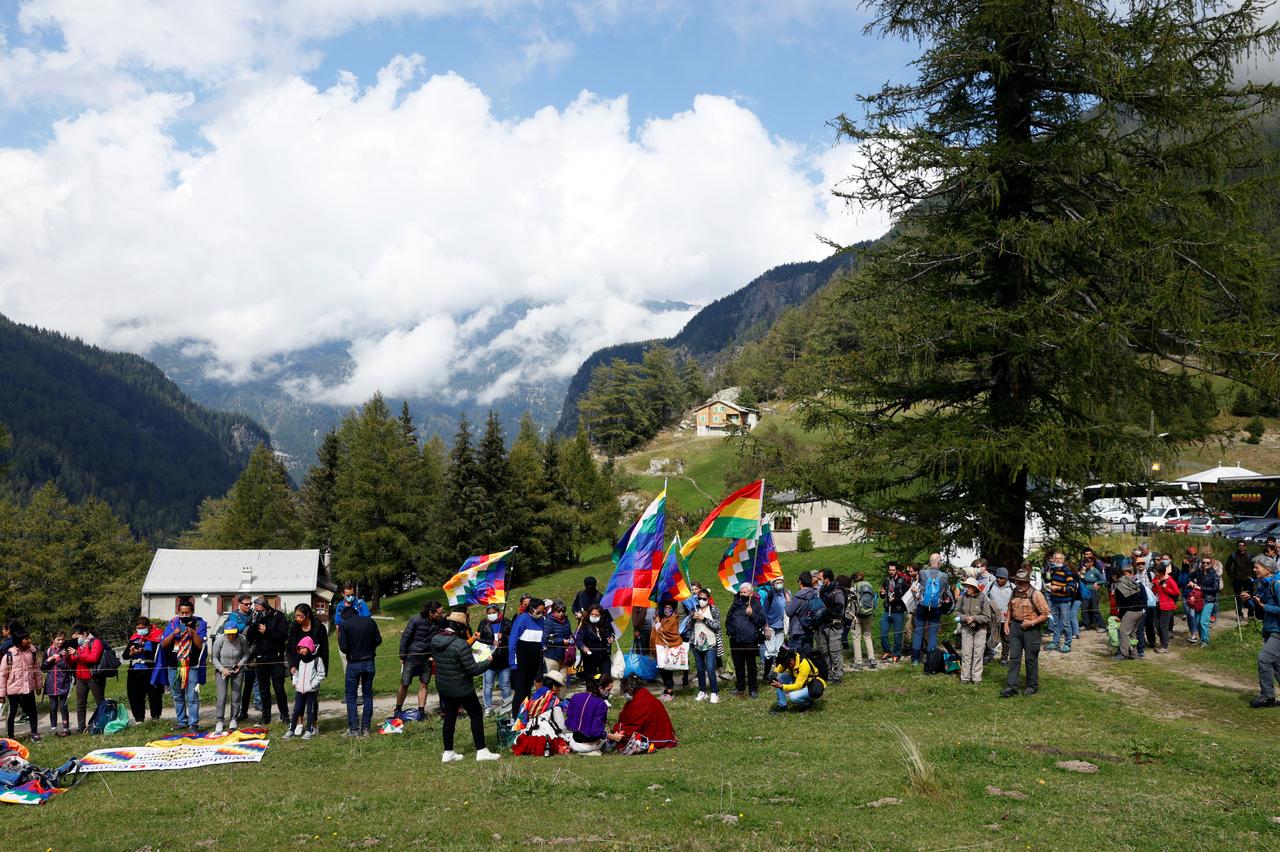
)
(1216, 473)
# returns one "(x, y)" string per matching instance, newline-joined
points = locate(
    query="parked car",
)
(1118, 517)
(1253, 530)
(1209, 524)
(1159, 516)
(1177, 525)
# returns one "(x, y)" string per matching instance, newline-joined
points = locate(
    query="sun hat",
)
(970, 581)
(554, 677)
(458, 617)
(1023, 576)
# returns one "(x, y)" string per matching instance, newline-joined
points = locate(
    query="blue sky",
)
(260, 176)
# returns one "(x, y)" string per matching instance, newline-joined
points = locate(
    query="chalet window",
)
(702, 418)
(226, 603)
(716, 418)
(719, 409)
(833, 525)
(784, 523)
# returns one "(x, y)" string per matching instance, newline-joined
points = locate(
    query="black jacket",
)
(456, 666)
(833, 598)
(268, 646)
(318, 633)
(892, 591)
(415, 640)
(502, 648)
(584, 599)
(1238, 566)
(359, 638)
(744, 629)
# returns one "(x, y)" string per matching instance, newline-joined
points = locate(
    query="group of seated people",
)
(549, 724)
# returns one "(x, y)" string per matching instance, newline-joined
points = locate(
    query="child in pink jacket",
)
(20, 681)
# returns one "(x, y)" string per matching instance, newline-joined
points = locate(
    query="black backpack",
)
(103, 714)
(812, 614)
(108, 664)
(934, 662)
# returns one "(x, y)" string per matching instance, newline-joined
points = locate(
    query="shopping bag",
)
(674, 659)
(640, 664)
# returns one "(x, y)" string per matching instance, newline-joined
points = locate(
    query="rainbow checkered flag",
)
(482, 580)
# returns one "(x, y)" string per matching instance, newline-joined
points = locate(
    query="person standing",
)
(184, 655)
(525, 654)
(999, 595)
(973, 618)
(860, 608)
(594, 639)
(147, 675)
(831, 629)
(933, 596)
(495, 633)
(1131, 603)
(1239, 570)
(84, 657)
(1027, 611)
(1264, 601)
(229, 656)
(57, 683)
(1092, 578)
(1206, 579)
(267, 634)
(1063, 588)
(745, 624)
(308, 674)
(803, 602)
(558, 649)
(894, 610)
(1166, 589)
(359, 640)
(773, 599)
(456, 671)
(702, 632)
(305, 625)
(415, 653)
(588, 597)
(20, 682)
(666, 634)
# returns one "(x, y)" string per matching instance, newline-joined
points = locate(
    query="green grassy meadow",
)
(1180, 763)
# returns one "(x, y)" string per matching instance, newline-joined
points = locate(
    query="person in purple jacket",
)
(585, 717)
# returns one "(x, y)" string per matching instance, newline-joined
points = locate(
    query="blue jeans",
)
(891, 633)
(798, 698)
(924, 627)
(186, 702)
(503, 679)
(360, 675)
(1203, 621)
(706, 663)
(1075, 619)
(1061, 621)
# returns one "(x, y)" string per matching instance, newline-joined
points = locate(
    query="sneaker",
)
(715, 698)
(1260, 702)
(308, 734)
(1031, 690)
(1119, 657)
(755, 694)
(217, 730)
(1142, 655)
(297, 732)
(871, 664)
(1008, 692)
(777, 709)
(364, 732)
(35, 738)
(1066, 649)
(485, 754)
(233, 726)
(63, 732)
(701, 696)
(349, 732)
(289, 734)
(450, 757)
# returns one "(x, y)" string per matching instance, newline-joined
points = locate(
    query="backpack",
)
(108, 663)
(812, 614)
(948, 599)
(934, 663)
(817, 661)
(931, 591)
(1195, 600)
(863, 601)
(103, 715)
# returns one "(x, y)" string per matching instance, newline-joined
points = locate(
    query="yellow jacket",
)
(801, 673)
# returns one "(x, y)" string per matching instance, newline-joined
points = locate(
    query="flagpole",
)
(760, 517)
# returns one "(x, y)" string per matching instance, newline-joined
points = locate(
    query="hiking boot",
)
(1008, 692)
(776, 709)
(1260, 702)
(1031, 690)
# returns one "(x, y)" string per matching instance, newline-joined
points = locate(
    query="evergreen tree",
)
(319, 494)
(4, 445)
(261, 513)
(595, 511)
(406, 424)
(467, 502)
(495, 531)
(434, 478)
(1071, 219)
(660, 387)
(210, 530)
(614, 409)
(530, 496)
(380, 508)
(557, 517)
(694, 384)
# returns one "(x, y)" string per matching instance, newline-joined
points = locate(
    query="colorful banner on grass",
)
(639, 565)
(737, 517)
(482, 580)
(150, 758)
(673, 580)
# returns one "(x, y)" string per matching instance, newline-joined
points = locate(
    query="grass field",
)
(1180, 762)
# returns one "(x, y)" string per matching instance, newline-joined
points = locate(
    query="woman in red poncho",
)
(644, 725)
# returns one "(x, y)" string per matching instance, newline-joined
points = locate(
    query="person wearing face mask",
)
(701, 629)
(83, 658)
(525, 654)
(349, 599)
(894, 611)
(495, 632)
(773, 600)
(558, 649)
(183, 643)
(745, 626)
(666, 634)
(267, 634)
(415, 654)
(1062, 587)
(595, 642)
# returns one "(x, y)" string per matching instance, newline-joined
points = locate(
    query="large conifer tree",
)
(1076, 211)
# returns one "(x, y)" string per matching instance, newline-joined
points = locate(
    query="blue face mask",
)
(349, 598)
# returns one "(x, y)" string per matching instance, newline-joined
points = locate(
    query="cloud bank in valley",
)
(397, 214)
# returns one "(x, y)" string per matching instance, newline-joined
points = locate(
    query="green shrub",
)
(804, 541)
(1256, 429)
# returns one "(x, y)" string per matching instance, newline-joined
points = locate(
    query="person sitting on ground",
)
(644, 724)
(796, 682)
(585, 716)
(456, 671)
(542, 715)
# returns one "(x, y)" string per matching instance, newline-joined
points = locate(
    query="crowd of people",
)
(549, 670)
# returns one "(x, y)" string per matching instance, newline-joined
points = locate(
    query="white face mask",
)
(704, 602)
(493, 616)
(595, 619)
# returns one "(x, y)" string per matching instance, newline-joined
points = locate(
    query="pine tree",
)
(261, 512)
(467, 503)
(1072, 218)
(693, 383)
(210, 530)
(406, 424)
(4, 445)
(614, 410)
(595, 511)
(660, 386)
(434, 478)
(319, 494)
(530, 496)
(495, 532)
(381, 506)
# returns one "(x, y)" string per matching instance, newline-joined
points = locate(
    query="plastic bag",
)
(640, 664)
(120, 722)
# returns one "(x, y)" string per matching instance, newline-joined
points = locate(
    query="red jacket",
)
(1166, 590)
(645, 715)
(86, 657)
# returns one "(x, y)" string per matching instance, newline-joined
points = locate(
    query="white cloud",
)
(386, 215)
